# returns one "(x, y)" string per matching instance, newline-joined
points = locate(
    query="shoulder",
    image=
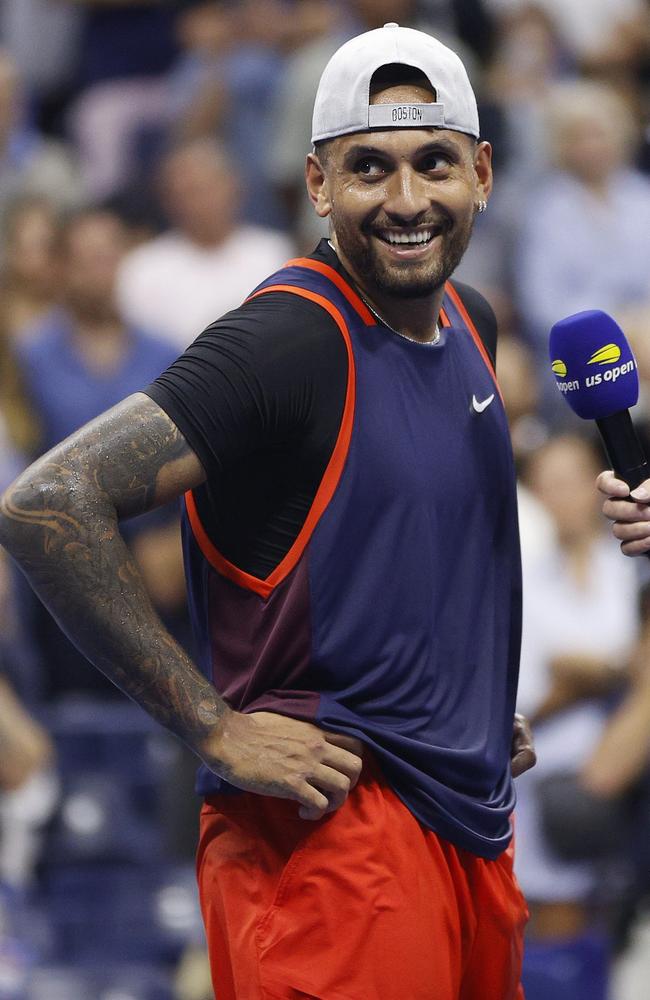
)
(481, 314)
(280, 320)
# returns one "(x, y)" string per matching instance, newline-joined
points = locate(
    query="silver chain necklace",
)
(426, 343)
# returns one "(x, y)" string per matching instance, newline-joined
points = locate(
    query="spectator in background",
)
(30, 163)
(19, 431)
(585, 234)
(619, 769)
(579, 627)
(126, 48)
(225, 80)
(602, 36)
(43, 38)
(81, 359)
(527, 60)
(29, 276)
(209, 261)
(518, 377)
(28, 786)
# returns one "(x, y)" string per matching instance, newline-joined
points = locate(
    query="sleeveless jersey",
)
(395, 615)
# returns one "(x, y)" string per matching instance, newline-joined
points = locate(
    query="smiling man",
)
(352, 560)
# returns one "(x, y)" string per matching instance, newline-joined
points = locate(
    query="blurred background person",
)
(28, 788)
(584, 231)
(79, 360)
(30, 163)
(29, 274)
(580, 624)
(618, 771)
(209, 261)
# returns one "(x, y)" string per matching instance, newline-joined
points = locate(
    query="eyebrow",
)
(439, 145)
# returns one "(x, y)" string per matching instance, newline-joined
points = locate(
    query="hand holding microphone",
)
(596, 373)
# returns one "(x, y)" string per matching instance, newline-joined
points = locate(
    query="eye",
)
(434, 162)
(370, 166)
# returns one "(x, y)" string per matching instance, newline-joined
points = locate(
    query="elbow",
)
(25, 508)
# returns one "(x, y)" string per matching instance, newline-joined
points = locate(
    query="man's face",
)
(200, 195)
(94, 248)
(402, 201)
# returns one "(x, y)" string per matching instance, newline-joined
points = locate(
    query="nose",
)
(407, 196)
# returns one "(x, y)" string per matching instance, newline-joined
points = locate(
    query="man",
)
(207, 263)
(353, 569)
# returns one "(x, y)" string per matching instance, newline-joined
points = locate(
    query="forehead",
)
(400, 142)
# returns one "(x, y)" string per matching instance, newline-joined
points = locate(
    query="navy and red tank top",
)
(395, 614)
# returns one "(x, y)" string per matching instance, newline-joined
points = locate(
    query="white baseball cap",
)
(342, 102)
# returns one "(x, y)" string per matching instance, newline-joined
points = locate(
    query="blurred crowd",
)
(151, 174)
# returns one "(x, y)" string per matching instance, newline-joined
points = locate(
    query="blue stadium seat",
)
(97, 821)
(125, 913)
(574, 970)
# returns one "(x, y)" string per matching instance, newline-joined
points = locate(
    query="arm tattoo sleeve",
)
(59, 521)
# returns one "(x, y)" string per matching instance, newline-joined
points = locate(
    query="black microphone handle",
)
(623, 448)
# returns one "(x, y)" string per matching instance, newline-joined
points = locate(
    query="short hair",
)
(588, 100)
(394, 74)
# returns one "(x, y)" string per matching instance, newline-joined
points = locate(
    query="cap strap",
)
(406, 116)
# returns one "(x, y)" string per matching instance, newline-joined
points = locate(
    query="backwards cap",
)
(343, 104)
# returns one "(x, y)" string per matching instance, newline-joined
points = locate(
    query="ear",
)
(317, 187)
(483, 168)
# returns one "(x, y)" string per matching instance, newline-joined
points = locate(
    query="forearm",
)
(63, 532)
(624, 750)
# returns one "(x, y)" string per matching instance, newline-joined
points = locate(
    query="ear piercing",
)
(481, 207)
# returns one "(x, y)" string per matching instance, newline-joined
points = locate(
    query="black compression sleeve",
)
(260, 376)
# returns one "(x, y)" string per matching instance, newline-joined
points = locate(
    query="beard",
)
(401, 279)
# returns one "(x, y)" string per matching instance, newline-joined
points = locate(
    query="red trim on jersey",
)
(353, 297)
(325, 491)
(456, 299)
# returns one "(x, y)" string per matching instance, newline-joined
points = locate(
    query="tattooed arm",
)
(59, 521)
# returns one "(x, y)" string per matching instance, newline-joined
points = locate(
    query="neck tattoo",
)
(414, 340)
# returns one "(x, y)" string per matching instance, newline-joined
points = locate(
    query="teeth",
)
(421, 236)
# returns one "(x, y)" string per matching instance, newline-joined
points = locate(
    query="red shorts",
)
(364, 904)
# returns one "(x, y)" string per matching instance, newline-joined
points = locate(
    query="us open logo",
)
(607, 355)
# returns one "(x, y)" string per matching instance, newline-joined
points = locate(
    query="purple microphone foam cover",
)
(593, 365)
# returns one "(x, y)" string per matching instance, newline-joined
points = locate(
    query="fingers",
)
(334, 785)
(608, 484)
(632, 529)
(523, 761)
(631, 520)
(332, 788)
(347, 763)
(350, 743)
(625, 510)
(313, 804)
(523, 755)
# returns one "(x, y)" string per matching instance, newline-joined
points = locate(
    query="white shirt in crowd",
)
(176, 288)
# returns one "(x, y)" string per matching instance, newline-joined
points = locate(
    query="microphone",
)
(596, 373)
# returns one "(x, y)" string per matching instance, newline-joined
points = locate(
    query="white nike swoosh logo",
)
(483, 405)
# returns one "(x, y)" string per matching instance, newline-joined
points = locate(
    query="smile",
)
(395, 237)
(408, 244)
